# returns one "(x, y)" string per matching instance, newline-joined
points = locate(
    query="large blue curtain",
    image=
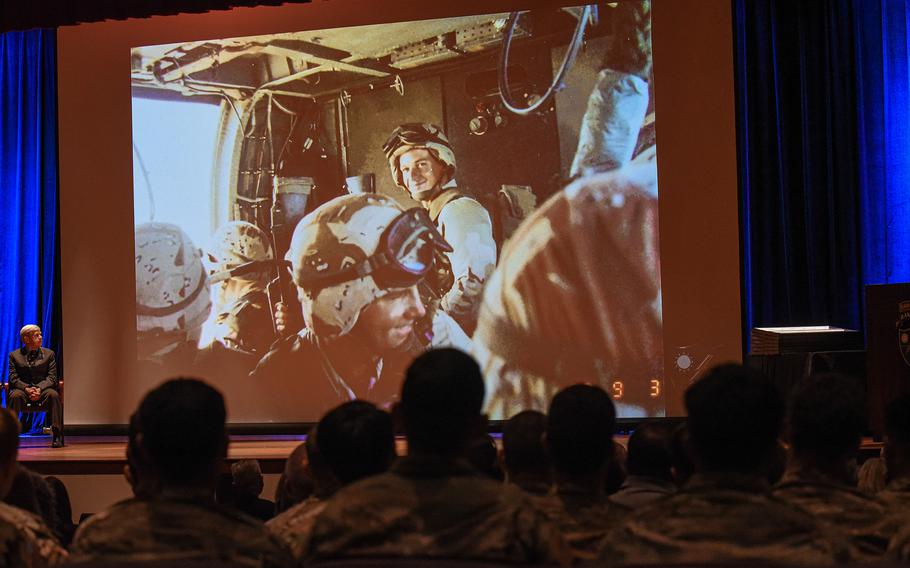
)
(883, 102)
(798, 162)
(29, 264)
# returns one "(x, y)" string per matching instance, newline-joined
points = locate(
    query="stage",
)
(94, 455)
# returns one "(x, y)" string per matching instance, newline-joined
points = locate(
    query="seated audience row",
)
(714, 488)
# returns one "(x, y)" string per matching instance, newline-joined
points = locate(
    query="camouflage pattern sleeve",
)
(544, 542)
(26, 541)
(294, 527)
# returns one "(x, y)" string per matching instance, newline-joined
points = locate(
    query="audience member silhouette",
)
(896, 494)
(579, 440)
(524, 459)
(897, 453)
(63, 510)
(295, 484)
(246, 477)
(432, 503)
(650, 466)
(616, 469)
(681, 455)
(725, 513)
(25, 540)
(32, 493)
(353, 441)
(484, 457)
(177, 450)
(826, 419)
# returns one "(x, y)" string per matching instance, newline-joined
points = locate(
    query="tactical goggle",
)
(406, 253)
(412, 134)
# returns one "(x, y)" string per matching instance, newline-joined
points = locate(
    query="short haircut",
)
(441, 401)
(357, 440)
(649, 450)
(298, 485)
(246, 476)
(522, 442)
(182, 427)
(826, 416)
(580, 429)
(897, 421)
(681, 454)
(9, 436)
(735, 416)
(27, 330)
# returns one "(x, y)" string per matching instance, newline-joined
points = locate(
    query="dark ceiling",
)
(29, 14)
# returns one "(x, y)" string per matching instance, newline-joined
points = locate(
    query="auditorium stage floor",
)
(94, 455)
(107, 454)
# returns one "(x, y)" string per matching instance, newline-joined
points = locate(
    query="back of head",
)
(441, 400)
(649, 450)
(681, 454)
(522, 443)
(246, 476)
(580, 430)
(826, 417)
(356, 439)
(735, 417)
(181, 424)
(325, 482)
(481, 454)
(296, 483)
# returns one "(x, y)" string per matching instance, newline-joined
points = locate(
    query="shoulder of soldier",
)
(103, 520)
(298, 511)
(295, 347)
(21, 526)
(464, 207)
(295, 526)
(819, 497)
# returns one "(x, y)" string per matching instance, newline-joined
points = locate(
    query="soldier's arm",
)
(13, 375)
(466, 226)
(51, 379)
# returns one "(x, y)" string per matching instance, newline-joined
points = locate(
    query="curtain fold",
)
(883, 117)
(798, 164)
(29, 263)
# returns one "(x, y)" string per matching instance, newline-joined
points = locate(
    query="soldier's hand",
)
(281, 318)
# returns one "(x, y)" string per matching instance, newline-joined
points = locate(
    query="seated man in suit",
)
(33, 378)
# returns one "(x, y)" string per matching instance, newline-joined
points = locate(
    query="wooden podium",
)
(888, 346)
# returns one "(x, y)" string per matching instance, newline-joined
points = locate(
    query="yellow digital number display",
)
(617, 387)
(655, 388)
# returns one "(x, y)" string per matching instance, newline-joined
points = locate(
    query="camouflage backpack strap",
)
(437, 203)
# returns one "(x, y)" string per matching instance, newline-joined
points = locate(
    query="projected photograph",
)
(314, 209)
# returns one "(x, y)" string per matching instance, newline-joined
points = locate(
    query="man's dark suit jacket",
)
(40, 372)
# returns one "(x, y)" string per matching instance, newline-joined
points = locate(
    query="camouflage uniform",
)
(294, 526)
(862, 518)
(25, 541)
(533, 485)
(640, 490)
(177, 526)
(896, 494)
(725, 518)
(576, 297)
(583, 517)
(430, 507)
